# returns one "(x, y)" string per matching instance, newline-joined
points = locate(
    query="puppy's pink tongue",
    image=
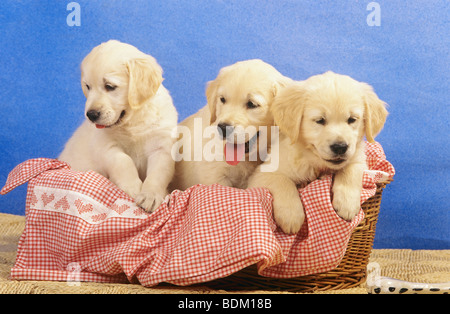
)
(99, 126)
(234, 153)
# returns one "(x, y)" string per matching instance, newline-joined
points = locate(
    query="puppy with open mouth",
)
(240, 144)
(322, 124)
(127, 136)
(238, 121)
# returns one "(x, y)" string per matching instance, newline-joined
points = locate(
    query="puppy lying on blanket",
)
(130, 117)
(322, 123)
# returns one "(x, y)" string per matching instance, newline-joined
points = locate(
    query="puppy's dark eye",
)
(321, 121)
(251, 105)
(223, 100)
(351, 120)
(110, 87)
(87, 87)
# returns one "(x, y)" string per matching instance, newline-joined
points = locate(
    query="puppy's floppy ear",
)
(211, 97)
(280, 83)
(83, 87)
(145, 77)
(287, 110)
(375, 113)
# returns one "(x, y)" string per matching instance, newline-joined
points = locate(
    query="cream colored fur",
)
(313, 115)
(228, 97)
(131, 141)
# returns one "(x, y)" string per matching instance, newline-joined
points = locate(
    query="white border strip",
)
(82, 206)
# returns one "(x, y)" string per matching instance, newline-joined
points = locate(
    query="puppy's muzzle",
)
(225, 129)
(339, 148)
(93, 115)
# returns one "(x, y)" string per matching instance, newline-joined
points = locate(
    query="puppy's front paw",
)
(150, 200)
(347, 203)
(131, 188)
(289, 214)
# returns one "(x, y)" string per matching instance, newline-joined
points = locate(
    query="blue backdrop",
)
(399, 47)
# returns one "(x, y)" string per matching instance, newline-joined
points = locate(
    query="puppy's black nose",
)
(225, 129)
(339, 148)
(93, 115)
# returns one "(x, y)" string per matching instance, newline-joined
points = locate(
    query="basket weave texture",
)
(351, 271)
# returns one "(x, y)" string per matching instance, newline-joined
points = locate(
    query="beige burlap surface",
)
(430, 266)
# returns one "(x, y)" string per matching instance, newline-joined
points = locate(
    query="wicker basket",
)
(349, 273)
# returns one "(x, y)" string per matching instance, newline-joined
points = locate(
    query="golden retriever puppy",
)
(127, 136)
(322, 123)
(222, 143)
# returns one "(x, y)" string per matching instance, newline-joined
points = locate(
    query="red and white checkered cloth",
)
(80, 226)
